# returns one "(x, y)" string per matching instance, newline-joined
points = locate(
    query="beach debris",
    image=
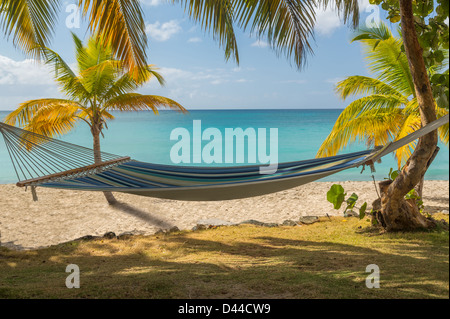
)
(199, 227)
(258, 223)
(161, 231)
(214, 222)
(271, 225)
(444, 224)
(351, 213)
(308, 220)
(289, 222)
(174, 229)
(109, 235)
(88, 237)
(125, 236)
(252, 222)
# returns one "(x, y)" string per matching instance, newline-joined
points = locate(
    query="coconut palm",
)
(103, 84)
(286, 24)
(388, 109)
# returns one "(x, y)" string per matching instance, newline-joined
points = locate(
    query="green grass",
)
(323, 260)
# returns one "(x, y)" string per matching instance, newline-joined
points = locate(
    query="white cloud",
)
(152, 3)
(363, 5)
(25, 80)
(24, 72)
(192, 80)
(327, 21)
(192, 29)
(173, 74)
(334, 81)
(195, 40)
(294, 81)
(260, 44)
(218, 81)
(163, 32)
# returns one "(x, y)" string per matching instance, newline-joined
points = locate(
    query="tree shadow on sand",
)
(141, 214)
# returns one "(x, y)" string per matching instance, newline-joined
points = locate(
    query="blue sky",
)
(195, 70)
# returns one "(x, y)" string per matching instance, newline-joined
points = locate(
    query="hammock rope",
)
(35, 156)
(46, 162)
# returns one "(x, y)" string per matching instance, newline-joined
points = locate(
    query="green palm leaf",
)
(388, 110)
(29, 23)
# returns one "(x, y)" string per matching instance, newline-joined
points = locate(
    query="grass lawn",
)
(324, 260)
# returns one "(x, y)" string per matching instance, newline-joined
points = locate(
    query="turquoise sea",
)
(146, 137)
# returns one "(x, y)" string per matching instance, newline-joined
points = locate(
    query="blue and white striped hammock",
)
(44, 162)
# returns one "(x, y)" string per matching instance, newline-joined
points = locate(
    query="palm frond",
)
(98, 79)
(127, 84)
(55, 119)
(70, 83)
(347, 9)
(120, 23)
(29, 23)
(409, 124)
(375, 102)
(355, 85)
(379, 33)
(443, 130)
(138, 102)
(48, 117)
(216, 17)
(287, 25)
(390, 64)
(27, 111)
(372, 126)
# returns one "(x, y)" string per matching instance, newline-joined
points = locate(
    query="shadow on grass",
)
(194, 265)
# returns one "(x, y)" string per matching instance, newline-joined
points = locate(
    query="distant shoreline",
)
(232, 109)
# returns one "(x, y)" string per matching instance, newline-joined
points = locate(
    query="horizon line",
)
(223, 109)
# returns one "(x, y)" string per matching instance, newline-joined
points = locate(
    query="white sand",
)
(60, 216)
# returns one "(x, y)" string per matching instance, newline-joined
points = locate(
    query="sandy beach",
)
(61, 216)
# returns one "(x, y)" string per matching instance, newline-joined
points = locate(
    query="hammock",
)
(46, 162)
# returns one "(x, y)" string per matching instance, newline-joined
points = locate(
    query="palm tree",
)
(388, 111)
(103, 84)
(286, 24)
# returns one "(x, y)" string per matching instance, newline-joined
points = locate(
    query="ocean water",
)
(146, 137)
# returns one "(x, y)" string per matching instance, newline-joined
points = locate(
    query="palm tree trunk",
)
(419, 187)
(96, 130)
(397, 213)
